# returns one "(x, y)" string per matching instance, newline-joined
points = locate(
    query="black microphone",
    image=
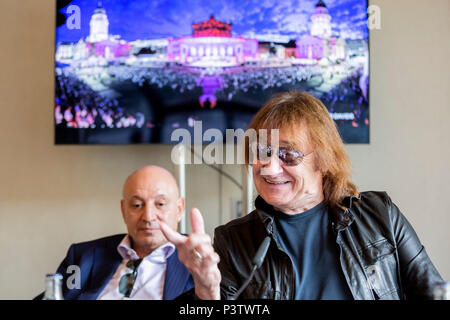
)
(256, 262)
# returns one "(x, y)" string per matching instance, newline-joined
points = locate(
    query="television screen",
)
(132, 72)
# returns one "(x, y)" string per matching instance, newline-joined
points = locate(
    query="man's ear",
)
(122, 208)
(180, 207)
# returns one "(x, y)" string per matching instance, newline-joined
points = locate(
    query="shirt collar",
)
(159, 255)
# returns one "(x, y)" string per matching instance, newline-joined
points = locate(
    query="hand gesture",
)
(196, 252)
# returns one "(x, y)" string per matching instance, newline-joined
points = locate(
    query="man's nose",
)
(271, 166)
(149, 213)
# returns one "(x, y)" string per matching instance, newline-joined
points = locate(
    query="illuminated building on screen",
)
(211, 44)
(99, 25)
(211, 28)
(99, 43)
(320, 43)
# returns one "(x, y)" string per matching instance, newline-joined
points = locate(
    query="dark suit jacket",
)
(99, 259)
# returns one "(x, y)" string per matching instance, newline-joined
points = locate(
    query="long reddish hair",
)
(297, 109)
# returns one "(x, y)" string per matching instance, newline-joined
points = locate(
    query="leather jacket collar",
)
(341, 216)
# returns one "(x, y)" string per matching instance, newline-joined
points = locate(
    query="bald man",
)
(140, 264)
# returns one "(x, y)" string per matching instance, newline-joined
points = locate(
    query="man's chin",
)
(151, 238)
(149, 231)
(274, 200)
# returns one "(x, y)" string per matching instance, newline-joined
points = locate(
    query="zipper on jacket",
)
(338, 241)
(274, 238)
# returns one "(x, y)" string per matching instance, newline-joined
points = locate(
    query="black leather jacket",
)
(380, 254)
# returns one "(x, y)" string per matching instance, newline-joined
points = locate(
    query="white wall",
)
(52, 196)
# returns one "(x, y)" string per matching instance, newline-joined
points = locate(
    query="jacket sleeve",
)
(418, 274)
(68, 260)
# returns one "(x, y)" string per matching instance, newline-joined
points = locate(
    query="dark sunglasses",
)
(288, 155)
(127, 281)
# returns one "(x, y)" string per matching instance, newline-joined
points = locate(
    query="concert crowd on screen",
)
(78, 106)
(348, 96)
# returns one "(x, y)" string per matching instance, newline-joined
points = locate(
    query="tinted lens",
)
(264, 152)
(290, 157)
(126, 284)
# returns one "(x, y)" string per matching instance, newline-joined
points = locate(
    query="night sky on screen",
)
(150, 19)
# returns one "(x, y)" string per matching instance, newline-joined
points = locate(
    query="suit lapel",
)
(106, 262)
(177, 278)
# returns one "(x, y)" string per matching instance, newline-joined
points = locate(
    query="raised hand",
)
(196, 252)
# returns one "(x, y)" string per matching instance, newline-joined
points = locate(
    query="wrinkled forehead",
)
(295, 136)
(146, 186)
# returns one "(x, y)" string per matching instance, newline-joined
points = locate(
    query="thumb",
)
(198, 226)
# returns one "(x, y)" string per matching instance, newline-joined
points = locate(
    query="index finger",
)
(198, 226)
(171, 235)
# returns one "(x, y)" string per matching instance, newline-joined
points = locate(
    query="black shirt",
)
(310, 243)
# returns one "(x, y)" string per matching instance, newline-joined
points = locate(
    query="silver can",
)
(53, 287)
(441, 291)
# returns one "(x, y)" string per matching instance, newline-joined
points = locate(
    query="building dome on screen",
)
(212, 45)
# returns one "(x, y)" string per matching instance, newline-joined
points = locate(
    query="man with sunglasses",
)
(327, 240)
(140, 264)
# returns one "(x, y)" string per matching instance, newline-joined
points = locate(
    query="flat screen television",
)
(131, 72)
